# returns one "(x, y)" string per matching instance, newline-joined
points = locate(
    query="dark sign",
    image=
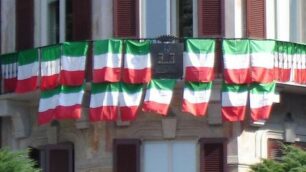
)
(167, 60)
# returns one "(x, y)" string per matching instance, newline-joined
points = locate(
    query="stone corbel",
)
(169, 127)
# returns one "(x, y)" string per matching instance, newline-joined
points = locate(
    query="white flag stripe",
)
(9, 70)
(137, 61)
(197, 96)
(28, 70)
(48, 103)
(232, 99)
(237, 61)
(107, 60)
(104, 99)
(261, 100)
(159, 96)
(73, 63)
(49, 68)
(265, 60)
(199, 60)
(70, 99)
(128, 99)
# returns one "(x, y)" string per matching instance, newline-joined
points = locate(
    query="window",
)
(185, 18)
(255, 19)
(53, 19)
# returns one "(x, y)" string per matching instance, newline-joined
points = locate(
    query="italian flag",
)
(283, 61)
(196, 97)
(50, 67)
(199, 60)
(158, 96)
(73, 63)
(129, 100)
(9, 71)
(137, 62)
(28, 67)
(70, 102)
(236, 55)
(262, 60)
(104, 101)
(48, 103)
(300, 67)
(234, 101)
(107, 60)
(261, 100)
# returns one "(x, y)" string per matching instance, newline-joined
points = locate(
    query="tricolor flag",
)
(28, 67)
(283, 61)
(158, 96)
(261, 100)
(104, 101)
(137, 62)
(48, 103)
(70, 102)
(262, 60)
(50, 67)
(199, 60)
(236, 61)
(196, 97)
(300, 64)
(129, 100)
(107, 60)
(73, 63)
(234, 101)
(9, 71)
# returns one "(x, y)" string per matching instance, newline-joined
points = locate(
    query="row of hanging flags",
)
(122, 75)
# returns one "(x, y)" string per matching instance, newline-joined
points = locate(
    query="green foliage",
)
(16, 161)
(293, 160)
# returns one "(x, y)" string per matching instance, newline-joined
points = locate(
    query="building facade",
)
(176, 143)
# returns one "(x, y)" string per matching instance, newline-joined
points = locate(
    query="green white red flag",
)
(236, 61)
(49, 100)
(28, 67)
(104, 101)
(283, 61)
(73, 63)
(129, 100)
(9, 71)
(199, 59)
(50, 67)
(261, 100)
(196, 97)
(234, 101)
(107, 60)
(158, 96)
(137, 62)
(299, 57)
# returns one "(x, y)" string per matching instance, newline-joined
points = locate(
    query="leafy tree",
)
(293, 160)
(16, 161)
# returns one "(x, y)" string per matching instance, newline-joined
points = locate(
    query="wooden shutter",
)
(213, 155)
(81, 20)
(256, 27)
(24, 24)
(126, 155)
(274, 149)
(126, 18)
(210, 18)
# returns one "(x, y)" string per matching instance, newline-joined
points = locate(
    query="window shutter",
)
(126, 155)
(210, 17)
(126, 18)
(24, 24)
(213, 155)
(256, 19)
(274, 149)
(81, 20)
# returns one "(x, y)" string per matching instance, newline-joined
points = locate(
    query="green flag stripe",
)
(75, 49)
(162, 84)
(72, 89)
(108, 46)
(9, 58)
(234, 87)
(200, 45)
(257, 88)
(259, 46)
(131, 88)
(50, 53)
(50, 93)
(28, 56)
(105, 87)
(198, 86)
(235, 47)
(137, 48)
